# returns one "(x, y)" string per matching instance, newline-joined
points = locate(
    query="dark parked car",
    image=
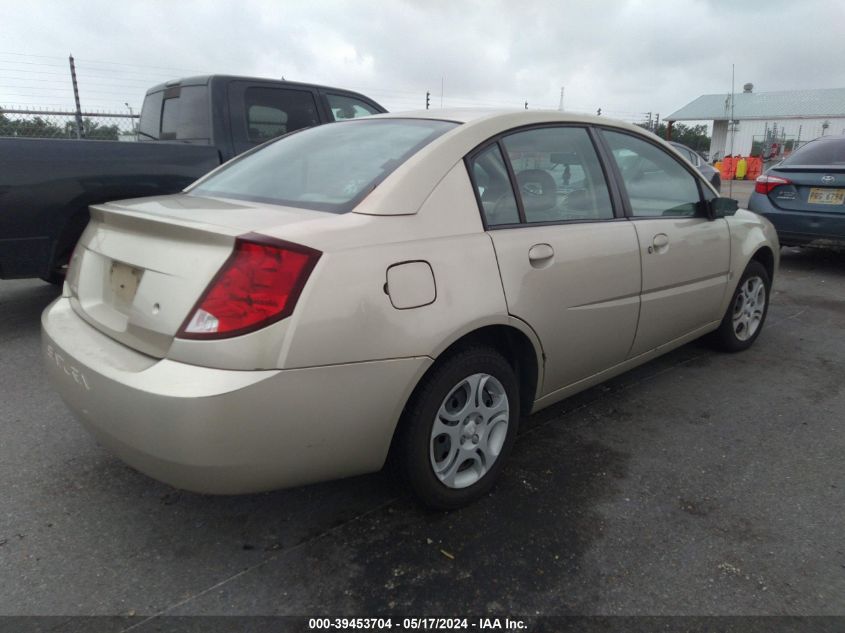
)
(804, 194)
(706, 169)
(190, 127)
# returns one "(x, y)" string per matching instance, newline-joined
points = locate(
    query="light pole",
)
(132, 119)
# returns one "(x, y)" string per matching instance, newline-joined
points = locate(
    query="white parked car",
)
(410, 283)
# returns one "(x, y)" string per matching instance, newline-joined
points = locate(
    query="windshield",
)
(823, 152)
(328, 168)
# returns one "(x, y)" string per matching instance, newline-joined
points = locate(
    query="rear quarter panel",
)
(346, 314)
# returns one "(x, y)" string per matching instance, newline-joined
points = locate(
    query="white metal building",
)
(788, 118)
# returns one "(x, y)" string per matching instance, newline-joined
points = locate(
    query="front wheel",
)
(747, 310)
(459, 428)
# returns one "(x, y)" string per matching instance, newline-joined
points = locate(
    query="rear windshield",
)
(824, 152)
(179, 113)
(328, 168)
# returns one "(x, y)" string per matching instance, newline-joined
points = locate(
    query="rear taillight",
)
(258, 285)
(764, 184)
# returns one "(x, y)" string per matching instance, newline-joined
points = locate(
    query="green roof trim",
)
(765, 105)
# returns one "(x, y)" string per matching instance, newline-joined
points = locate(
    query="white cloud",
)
(626, 57)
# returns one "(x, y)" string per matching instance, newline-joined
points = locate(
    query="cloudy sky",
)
(626, 56)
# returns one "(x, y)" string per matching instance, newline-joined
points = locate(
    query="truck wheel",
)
(747, 310)
(64, 247)
(459, 428)
(57, 275)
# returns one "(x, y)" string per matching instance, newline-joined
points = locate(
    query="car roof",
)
(469, 115)
(202, 80)
(410, 184)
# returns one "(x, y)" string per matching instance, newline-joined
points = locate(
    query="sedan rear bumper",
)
(222, 431)
(797, 228)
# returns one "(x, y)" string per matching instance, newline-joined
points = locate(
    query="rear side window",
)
(559, 175)
(328, 168)
(345, 107)
(818, 153)
(493, 187)
(272, 112)
(656, 183)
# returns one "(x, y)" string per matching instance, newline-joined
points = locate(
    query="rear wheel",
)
(459, 428)
(747, 310)
(64, 247)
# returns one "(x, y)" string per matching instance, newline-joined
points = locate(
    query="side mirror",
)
(721, 207)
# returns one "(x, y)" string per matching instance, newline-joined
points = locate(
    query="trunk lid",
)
(814, 188)
(141, 265)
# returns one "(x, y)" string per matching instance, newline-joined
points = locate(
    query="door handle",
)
(540, 255)
(659, 243)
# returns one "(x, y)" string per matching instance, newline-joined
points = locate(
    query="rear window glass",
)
(818, 153)
(149, 125)
(180, 113)
(328, 168)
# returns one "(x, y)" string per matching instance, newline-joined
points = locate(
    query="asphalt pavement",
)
(700, 483)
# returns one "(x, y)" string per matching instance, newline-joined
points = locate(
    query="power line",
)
(94, 61)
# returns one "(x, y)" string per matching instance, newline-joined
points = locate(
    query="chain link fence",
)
(44, 123)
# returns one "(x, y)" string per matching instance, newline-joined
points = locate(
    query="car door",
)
(569, 265)
(260, 112)
(685, 255)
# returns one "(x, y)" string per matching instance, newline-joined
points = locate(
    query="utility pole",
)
(560, 105)
(427, 99)
(76, 98)
(732, 127)
(132, 120)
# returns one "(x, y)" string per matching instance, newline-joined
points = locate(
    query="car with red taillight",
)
(804, 195)
(407, 285)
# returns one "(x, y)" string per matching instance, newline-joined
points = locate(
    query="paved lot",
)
(701, 483)
(739, 190)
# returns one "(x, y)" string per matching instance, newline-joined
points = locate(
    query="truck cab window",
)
(271, 112)
(344, 107)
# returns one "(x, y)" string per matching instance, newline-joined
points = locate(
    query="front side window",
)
(558, 175)
(344, 107)
(328, 168)
(657, 184)
(272, 112)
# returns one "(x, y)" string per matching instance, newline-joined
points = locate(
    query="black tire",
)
(414, 445)
(64, 247)
(726, 337)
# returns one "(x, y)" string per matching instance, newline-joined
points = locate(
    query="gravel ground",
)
(700, 483)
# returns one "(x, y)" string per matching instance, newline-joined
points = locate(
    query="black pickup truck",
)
(187, 127)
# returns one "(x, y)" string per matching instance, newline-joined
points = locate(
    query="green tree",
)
(36, 127)
(93, 130)
(693, 136)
